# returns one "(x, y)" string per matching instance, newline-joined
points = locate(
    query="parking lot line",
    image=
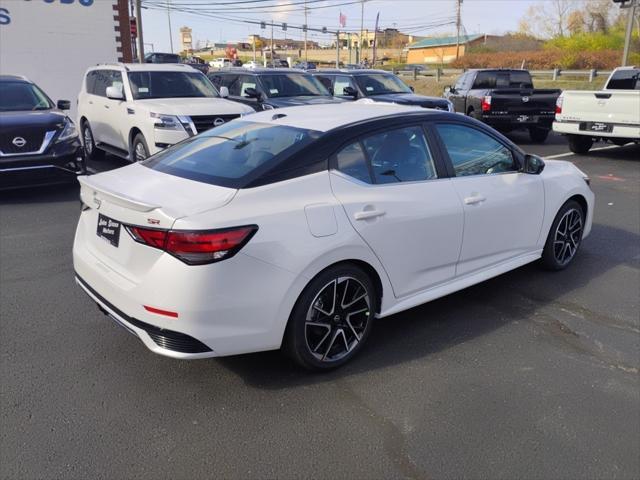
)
(568, 154)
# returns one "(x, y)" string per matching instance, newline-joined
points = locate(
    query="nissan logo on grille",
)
(525, 99)
(218, 121)
(19, 142)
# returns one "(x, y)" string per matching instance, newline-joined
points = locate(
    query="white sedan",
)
(296, 228)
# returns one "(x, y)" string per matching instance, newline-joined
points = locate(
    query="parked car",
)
(278, 63)
(221, 63)
(506, 100)
(250, 65)
(197, 63)
(376, 85)
(136, 110)
(612, 114)
(39, 143)
(296, 230)
(268, 88)
(156, 57)
(305, 65)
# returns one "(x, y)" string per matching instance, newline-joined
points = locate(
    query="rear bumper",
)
(518, 120)
(619, 131)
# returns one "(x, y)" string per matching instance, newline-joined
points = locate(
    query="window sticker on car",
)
(369, 89)
(273, 91)
(143, 90)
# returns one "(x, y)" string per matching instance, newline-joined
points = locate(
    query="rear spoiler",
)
(90, 190)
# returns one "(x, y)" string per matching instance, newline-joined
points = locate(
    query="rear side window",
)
(233, 154)
(352, 161)
(400, 155)
(625, 80)
(473, 152)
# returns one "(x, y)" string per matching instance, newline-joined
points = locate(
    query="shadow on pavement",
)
(41, 194)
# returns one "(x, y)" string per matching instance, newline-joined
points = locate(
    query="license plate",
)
(109, 229)
(597, 127)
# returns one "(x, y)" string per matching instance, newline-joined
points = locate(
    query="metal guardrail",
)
(554, 74)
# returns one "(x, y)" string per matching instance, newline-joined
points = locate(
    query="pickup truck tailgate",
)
(607, 106)
(525, 101)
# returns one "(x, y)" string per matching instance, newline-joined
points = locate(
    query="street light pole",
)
(629, 32)
(139, 27)
(169, 19)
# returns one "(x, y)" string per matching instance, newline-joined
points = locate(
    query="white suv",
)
(136, 110)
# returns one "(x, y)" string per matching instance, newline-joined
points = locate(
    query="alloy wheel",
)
(568, 236)
(337, 319)
(88, 140)
(140, 152)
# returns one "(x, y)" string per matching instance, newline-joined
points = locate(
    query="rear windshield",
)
(292, 85)
(145, 85)
(233, 154)
(513, 79)
(625, 80)
(17, 96)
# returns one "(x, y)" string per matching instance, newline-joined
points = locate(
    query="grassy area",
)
(429, 86)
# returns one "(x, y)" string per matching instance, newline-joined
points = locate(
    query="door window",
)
(400, 155)
(340, 83)
(327, 82)
(461, 81)
(473, 152)
(233, 84)
(246, 81)
(104, 79)
(352, 161)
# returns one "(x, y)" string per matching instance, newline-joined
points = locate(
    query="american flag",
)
(343, 20)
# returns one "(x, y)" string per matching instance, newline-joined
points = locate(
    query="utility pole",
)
(361, 31)
(254, 48)
(627, 41)
(169, 19)
(134, 49)
(306, 27)
(139, 25)
(458, 24)
(338, 49)
(271, 56)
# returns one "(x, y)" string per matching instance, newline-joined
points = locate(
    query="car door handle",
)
(474, 199)
(366, 214)
(90, 102)
(106, 106)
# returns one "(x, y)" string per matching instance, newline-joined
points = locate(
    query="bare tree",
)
(547, 19)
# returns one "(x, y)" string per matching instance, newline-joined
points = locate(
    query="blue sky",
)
(479, 16)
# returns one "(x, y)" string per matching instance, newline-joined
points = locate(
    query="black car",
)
(39, 144)
(377, 85)
(506, 100)
(267, 88)
(305, 65)
(158, 57)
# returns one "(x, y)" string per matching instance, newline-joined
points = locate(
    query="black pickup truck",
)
(506, 100)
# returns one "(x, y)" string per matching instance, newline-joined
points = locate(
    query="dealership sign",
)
(5, 14)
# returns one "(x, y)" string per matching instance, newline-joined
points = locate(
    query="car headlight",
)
(166, 122)
(68, 132)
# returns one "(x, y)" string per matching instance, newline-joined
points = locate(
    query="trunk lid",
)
(607, 106)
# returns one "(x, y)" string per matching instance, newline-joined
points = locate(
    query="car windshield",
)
(231, 154)
(17, 96)
(380, 83)
(145, 85)
(292, 85)
(625, 80)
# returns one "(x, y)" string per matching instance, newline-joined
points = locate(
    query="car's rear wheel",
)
(139, 148)
(538, 135)
(565, 237)
(332, 318)
(580, 144)
(90, 149)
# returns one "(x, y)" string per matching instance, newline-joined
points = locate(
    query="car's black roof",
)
(258, 71)
(14, 78)
(351, 71)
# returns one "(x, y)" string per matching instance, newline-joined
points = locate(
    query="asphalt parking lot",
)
(529, 375)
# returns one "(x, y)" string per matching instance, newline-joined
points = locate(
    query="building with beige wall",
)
(441, 49)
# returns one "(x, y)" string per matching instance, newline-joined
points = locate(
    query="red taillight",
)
(559, 106)
(486, 103)
(196, 247)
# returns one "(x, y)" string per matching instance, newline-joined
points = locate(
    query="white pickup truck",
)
(611, 114)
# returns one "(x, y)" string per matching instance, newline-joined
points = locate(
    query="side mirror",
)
(350, 92)
(115, 93)
(224, 92)
(411, 88)
(64, 105)
(252, 93)
(533, 164)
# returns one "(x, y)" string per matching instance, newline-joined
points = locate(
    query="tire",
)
(139, 148)
(90, 150)
(565, 237)
(538, 135)
(580, 144)
(321, 338)
(472, 113)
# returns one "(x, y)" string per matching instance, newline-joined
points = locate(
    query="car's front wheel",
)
(580, 144)
(565, 237)
(332, 318)
(90, 149)
(139, 148)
